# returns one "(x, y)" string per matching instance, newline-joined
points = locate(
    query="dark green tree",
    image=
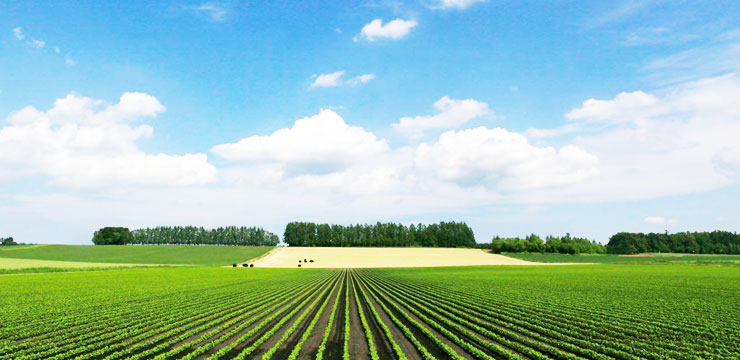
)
(112, 236)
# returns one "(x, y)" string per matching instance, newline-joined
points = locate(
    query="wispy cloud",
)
(452, 4)
(37, 43)
(656, 35)
(336, 79)
(213, 11)
(718, 56)
(18, 33)
(360, 79)
(621, 12)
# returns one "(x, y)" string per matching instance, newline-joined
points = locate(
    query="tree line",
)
(551, 244)
(7, 241)
(715, 242)
(186, 235)
(444, 234)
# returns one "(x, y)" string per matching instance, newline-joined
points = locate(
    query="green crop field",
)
(138, 254)
(610, 258)
(623, 311)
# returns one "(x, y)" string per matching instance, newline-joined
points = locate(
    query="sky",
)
(546, 117)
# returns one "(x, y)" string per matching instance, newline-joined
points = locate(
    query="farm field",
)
(11, 265)
(626, 311)
(138, 254)
(358, 257)
(611, 258)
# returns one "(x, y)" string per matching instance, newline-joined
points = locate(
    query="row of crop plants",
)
(484, 327)
(164, 327)
(400, 318)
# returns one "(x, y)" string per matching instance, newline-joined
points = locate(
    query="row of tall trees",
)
(715, 242)
(551, 244)
(444, 234)
(192, 235)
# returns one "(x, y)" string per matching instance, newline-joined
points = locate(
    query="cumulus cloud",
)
(319, 144)
(336, 79)
(80, 142)
(502, 160)
(453, 4)
(18, 33)
(617, 108)
(659, 220)
(394, 30)
(675, 140)
(452, 114)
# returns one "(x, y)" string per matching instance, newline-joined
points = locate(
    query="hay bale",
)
(251, 265)
(234, 265)
(299, 265)
(310, 260)
(244, 265)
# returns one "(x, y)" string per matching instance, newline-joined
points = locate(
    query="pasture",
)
(626, 311)
(138, 254)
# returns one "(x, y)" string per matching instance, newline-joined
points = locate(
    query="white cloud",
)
(452, 114)
(328, 80)
(711, 58)
(394, 30)
(623, 11)
(69, 61)
(37, 43)
(360, 79)
(57, 49)
(502, 160)
(214, 11)
(617, 108)
(677, 140)
(727, 162)
(659, 220)
(18, 33)
(320, 144)
(453, 4)
(81, 143)
(335, 79)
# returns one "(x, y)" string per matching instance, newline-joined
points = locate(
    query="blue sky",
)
(544, 117)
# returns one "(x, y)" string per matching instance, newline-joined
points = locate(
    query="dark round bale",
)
(299, 265)
(251, 265)
(244, 265)
(310, 260)
(234, 265)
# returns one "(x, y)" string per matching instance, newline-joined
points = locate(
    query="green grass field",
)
(609, 258)
(12, 266)
(138, 254)
(628, 311)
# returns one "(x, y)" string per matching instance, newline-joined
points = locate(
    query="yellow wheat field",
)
(336, 257)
